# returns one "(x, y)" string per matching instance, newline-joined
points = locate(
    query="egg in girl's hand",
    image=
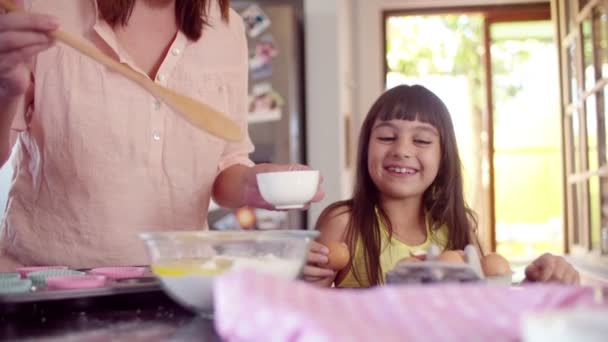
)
(451, 256)
(494, 264)
(338, 256)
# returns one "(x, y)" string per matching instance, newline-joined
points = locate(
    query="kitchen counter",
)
(152, 318)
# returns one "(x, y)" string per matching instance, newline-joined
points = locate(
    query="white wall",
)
(328, 94)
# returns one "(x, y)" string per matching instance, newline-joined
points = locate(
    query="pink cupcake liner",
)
(24, 271)
(121, 272)
(73, 282)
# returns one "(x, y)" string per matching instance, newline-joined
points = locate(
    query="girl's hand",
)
(551, 268)
(253, 198)
(313, 270)
(22, 36)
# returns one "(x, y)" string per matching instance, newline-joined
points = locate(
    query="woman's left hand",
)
(253, 198)
(552, 268)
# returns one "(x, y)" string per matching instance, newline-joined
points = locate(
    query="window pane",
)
(589, 71)
(594, 207)
(600, 20)
(590, 107)
(602, 99)
(576, 146)
(604, 220)
(582, 210)
(573, 203)
(572, 74)
(569, 143)
(523, 68)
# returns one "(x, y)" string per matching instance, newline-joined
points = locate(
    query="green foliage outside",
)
(527, 172)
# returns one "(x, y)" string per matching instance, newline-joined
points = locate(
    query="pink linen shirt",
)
(99, 159)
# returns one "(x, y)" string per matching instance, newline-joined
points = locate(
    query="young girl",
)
(408, 194)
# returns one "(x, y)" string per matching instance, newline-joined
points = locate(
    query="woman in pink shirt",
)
(99, 159)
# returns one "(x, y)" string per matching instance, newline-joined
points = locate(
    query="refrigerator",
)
(276, 103)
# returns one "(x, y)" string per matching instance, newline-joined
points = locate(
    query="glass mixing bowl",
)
(187, 262)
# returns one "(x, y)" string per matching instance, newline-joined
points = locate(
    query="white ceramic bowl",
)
(288, 189)
(566, 324)
(187, 262)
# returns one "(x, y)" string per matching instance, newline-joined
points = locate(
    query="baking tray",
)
(117, 293)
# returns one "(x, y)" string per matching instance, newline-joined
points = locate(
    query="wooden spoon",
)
(197, 113)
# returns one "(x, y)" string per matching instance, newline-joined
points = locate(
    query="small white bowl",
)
(288, 189)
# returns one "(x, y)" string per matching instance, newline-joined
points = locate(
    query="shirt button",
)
(161, 77)
(156, 136)
(175, 52)
(157, 104)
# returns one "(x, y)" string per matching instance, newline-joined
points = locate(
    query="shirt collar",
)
(106, 33)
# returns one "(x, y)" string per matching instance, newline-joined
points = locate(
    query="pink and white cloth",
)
(254, 307)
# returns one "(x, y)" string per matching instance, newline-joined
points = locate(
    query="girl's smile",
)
(400, 171)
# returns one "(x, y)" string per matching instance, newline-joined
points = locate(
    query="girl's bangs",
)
(411, 109)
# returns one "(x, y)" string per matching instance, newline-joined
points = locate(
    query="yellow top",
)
(391, 251)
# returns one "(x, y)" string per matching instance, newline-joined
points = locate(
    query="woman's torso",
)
(99, 159)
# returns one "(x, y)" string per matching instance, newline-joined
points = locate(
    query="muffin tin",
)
(9, 286)
(32, 285)
(24, 271)
(9, 276)
(39, 278)
(119, 272)
(76, 282)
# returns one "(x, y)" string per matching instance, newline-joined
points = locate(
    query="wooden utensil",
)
(197, 113)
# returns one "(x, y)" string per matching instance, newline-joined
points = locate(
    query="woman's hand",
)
(313, 271)
(552, 268)
(22, 36)
(253, 198)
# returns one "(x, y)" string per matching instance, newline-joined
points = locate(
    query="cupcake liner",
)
(24, 271)
(39, 277)
(121, 272)
(8, 286)
(75, 282)
(5, 276)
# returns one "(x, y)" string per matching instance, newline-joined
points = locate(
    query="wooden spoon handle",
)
(197, 113)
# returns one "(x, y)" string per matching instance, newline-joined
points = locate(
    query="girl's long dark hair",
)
(191, 15)
(443, 200)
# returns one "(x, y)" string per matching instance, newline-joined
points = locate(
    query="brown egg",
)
(339, 256)
(494, 264)
(245, 216)
(451, 256)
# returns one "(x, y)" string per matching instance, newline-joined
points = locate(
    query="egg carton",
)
(430, 271)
